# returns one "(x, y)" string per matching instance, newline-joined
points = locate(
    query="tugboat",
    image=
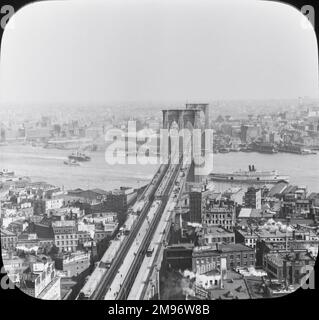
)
(79, 157)
(223, 150)
(72, 163)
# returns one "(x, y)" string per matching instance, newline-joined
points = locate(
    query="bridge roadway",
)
(149, 262)
(152, 263)
(133, 269)
(104, 285)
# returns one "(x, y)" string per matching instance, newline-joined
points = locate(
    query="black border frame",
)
(301, 303)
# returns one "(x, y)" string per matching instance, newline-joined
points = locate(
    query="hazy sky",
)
(92, 51)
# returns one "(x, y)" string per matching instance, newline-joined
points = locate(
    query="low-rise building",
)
(52, 204)
(8, 239)
(288, 267)
(65, 235)
(207, 258)
(246, 237)
(41, 281)
(219, 213)
(210, 235)
(73, 263)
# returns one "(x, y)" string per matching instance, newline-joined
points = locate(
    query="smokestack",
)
(249, 167)
(253, 168)
(221, 285)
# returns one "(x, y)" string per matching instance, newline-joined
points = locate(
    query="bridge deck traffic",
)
(132, 252)
(144, 273)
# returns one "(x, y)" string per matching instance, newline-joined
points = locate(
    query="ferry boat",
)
(250, 176)
(79, 157)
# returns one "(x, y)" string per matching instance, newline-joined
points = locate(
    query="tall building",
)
(252, 198)
(249, 133)
(116, 201)
(195, 206)
(197, 196)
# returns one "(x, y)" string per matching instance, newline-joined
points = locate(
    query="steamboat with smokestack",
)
(251, 176)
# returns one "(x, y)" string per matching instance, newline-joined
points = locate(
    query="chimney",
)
(249, 168)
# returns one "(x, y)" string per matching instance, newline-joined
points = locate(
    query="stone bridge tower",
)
(194, 116)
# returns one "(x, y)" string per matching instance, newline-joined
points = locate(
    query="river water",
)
(47, 165)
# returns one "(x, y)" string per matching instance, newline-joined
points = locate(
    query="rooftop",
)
(233, 288)
(279, 258)
(217, 230)
(250, 213)
(7, 233)
(63, 223)
(277, 189)
(222, 248)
